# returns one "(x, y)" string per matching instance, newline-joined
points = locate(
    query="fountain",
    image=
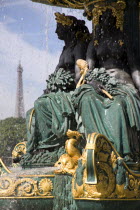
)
(83, 143)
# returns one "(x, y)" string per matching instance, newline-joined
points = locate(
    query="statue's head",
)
(69, 25)
(107, 20)
(98, 11)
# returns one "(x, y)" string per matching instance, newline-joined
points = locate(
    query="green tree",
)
(12, 131)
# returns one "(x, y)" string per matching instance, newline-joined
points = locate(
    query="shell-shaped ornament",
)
(45, 186)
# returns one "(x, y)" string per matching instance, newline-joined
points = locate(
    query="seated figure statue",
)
(53, 112)
(117, 119)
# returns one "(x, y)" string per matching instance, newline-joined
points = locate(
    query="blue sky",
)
(27, 33)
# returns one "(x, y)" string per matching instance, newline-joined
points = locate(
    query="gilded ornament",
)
(101, 6)
(67, 163)
(120, 42)
(72, 134)
(3, 169)
(96, 43)
(63, 19)
(25, 187)
(108, 164)
(80, 4)
(45, 186)
(18, 151)
(120, 191)
(82, 64)
(72, 3)
(6, 186)
(66, 3)
(90, 146)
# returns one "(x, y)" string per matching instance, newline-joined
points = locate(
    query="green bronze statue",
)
(53, 112)
(117, 119)
(98, 166)
(57, 110)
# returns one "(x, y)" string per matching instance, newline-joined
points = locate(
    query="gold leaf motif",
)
(101, 6)
(63, 19)
(120, 42)
(96, 43)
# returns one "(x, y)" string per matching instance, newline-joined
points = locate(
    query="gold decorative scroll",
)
(3, 169)
(117, 11)
(109, 166)
(25, 187)
(18, 151)
(75, 4)
(98, 7)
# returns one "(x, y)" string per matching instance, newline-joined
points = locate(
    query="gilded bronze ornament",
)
(18, 151)
(121, 43)
(117, 11)
(63, 19)
(114, 179)
(65, 3)
(90, 166)
(67, 163)
(96, 43)
(3, 168)
(25, 187)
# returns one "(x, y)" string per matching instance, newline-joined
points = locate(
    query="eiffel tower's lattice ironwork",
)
(19, 111)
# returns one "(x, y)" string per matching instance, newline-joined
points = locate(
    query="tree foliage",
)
(12, 131)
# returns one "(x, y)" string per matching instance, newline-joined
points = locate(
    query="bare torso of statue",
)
(76, 38)
(110, 49)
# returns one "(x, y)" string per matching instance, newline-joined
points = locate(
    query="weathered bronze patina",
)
(53, 112)
(98, 166)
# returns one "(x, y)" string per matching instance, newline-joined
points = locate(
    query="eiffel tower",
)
(19, 111)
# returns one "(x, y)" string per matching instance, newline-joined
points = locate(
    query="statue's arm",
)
(134, 67)
(61, 61)
(91, 55)
(79, 53)
(136, 78)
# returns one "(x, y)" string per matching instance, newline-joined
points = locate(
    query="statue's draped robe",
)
(117, 119)
(52, 118)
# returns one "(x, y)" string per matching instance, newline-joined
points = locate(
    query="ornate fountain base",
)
(99, 179)
(60, 197)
